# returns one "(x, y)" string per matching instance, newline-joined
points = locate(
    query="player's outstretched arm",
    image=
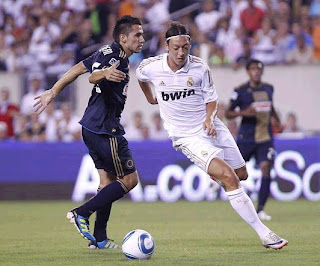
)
(108, 73)
(145, 86)
(47, 97)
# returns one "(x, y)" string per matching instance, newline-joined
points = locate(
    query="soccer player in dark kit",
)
(255, 138)
(101, 129)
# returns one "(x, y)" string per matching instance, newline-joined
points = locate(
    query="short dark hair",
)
(124, 26)
(254, 61)
(176, 28)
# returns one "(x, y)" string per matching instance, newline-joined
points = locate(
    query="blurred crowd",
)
(42, 39)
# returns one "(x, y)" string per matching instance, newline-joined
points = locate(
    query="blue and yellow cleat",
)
(105, 244)
(82, 225)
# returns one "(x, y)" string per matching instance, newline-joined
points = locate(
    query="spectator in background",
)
(28, 99)
(244, 57)
(283, 38)
(68, 127)
(21, 128)
(251, 18)
(157, 132)
(297, 31)
(133, 131)
(145, 132)
(316, 39)
(36, 130)
(219, 57)
(300, 55)
(314, 10)
(208, 18)
(157, 14)
(264, 43)
(50, 117)
(8, 111)
(43, 36)
(3, 131)
(291, 126)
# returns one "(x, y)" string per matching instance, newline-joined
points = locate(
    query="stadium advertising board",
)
(64, 171)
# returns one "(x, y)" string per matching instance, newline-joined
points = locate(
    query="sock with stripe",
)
(243, 205)
(100, 224)
(263, 192)
(107, 195)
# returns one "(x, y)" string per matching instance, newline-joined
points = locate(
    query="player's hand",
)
(249, 112)
(43, 101)
(210, 128)
(113, 74)
(153, 101)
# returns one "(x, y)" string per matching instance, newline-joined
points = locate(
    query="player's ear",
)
(167, 47)
(123, 38)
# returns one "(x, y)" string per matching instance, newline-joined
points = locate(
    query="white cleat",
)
(263, 216)
(274, 241)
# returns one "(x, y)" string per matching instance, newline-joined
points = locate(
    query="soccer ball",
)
(138, 245)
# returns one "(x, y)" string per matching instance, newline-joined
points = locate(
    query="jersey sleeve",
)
(209, 92)
(88, 62)
(141, 72)
(234, 100)
(99, 60)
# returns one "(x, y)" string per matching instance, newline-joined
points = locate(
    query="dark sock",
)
(102, 218)
(107, 195)
(100, 225)
(263, 192)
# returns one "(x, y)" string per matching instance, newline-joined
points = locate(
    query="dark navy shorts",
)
(263, 151)
(109, 153)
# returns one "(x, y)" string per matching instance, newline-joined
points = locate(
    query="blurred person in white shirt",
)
(157, 132)
(69, 128)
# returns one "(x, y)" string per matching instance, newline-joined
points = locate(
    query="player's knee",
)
(265, 169)
(131, 180)
(242, 173)
(229, 179)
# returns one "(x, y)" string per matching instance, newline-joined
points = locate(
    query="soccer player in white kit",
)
(188, 105)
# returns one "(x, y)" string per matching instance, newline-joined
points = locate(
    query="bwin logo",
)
(177, 94)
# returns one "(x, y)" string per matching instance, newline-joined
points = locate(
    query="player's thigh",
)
(199, 149)
(247, 149)
(109, 153)
(105, 178)
(265, 152)
(232, 155)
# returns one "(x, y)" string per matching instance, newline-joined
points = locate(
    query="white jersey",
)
(181, 95)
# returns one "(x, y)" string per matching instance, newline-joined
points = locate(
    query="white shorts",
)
(201, 149)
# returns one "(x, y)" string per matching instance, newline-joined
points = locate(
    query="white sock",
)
(243, 205)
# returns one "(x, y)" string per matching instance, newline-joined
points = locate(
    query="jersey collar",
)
(166, 67)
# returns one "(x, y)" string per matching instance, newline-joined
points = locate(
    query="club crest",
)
(190, 82)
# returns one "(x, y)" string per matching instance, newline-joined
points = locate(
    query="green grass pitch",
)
(185, 233)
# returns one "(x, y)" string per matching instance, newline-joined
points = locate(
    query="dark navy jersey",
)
(255, 129)
(103, 113)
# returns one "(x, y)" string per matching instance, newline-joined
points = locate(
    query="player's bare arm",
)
(43, 100)
(212, 108)
(108, 73)
(276, 117)
(145, 86)
(248, 112)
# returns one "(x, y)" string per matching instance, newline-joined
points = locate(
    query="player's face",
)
(178, 50)
(255, 72)
(134, 41)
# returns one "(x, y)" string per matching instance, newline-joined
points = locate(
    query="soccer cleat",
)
(263, 216)
(105, 244)
(82, 225)
(274, 241)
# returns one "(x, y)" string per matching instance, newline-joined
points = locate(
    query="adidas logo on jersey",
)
(162, 83)
(177, 94)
